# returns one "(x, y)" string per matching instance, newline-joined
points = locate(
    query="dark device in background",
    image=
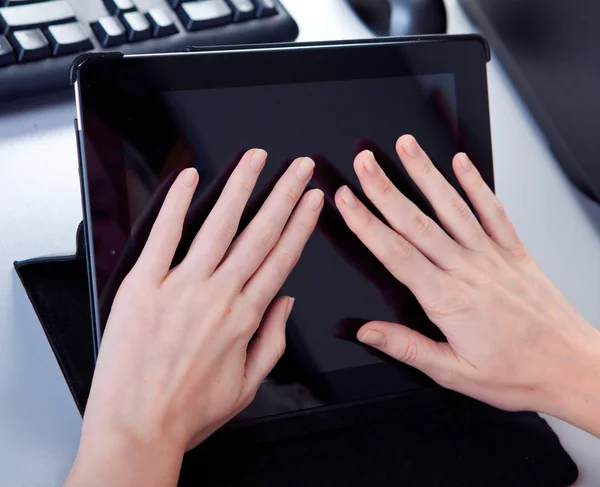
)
(550, 48)
(39, 39)
(402, 17)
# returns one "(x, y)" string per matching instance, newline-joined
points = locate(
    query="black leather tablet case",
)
(426, 438)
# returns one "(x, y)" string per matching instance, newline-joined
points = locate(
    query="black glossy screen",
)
(135, 150)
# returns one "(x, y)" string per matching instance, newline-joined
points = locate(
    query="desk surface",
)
(40, 202)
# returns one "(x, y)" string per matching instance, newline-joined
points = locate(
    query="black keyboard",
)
(40, 38)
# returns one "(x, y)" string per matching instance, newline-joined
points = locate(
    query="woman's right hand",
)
(514, 341)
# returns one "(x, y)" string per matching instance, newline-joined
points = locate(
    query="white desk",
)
(40, 210)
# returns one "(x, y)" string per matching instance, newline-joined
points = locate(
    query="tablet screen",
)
(137, 151)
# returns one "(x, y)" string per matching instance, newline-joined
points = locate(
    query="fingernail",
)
(290, 305)
(411, 147)
(315, 199)
(347, 196)
(190, 177)
(373, 338)
(305, 168)
(258, 159)
(464, 161)
(369, 163)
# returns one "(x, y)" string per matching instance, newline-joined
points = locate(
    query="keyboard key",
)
(35, 15)
(162, 24)
(109, 31)
(31, 45)
(202, 14)
(68, 38)
(7, 55)
(137, 26)
(175, 4)
(265, 8)
(119, 7)
(242, 10)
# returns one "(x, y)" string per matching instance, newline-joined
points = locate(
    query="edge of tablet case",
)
(96, 56)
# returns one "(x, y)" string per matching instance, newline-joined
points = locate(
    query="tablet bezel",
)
(463, 56)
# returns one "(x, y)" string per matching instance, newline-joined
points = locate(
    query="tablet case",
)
(430, 437)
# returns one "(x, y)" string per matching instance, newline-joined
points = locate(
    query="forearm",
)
(115, 460)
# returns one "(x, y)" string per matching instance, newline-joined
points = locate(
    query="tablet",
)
(143, 118)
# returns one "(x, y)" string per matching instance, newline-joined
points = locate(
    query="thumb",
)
(267, 348)
(436, 359)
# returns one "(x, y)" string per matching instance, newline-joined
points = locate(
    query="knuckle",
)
(307, 225)
(408, 352)
(454, 302)
(400, 250)
(521, 254)
(499, 210)
(483, 279)
(386, 187)
(253, 316)
(461, 209)
(280, 345)
(362, 224)
(267, 239)
(422, 224)
(479, 183)
(290, 195)
(286, 262)
(426, 168)
(246, 185)
(226, 232)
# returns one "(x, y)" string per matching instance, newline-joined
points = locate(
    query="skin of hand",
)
(186, 348)
(513, 340)
(397, 297)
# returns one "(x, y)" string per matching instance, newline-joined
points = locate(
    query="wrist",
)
(573, 394)
(133, 460)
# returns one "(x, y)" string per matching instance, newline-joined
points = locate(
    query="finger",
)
(137, 239)
(491, 213)
(397, 254)
(335, 230)
(436, 359)
(260, 236)
(332, 226)
(202, 206)
(164, 237)
(454, 214)
(273, 272)
(269, 344)
(397, 174)
(404, 216)
(259, 198)
(219, 229)
(329, 178)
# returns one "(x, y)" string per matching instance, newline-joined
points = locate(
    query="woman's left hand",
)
(177, 360)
